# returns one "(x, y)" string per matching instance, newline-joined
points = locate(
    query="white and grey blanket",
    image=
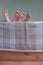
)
(21, 36)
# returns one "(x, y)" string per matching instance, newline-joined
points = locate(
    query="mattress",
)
(22, 37)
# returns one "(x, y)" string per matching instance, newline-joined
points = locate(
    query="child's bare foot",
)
(21, 16)
(27, 17)
(18, 17)
(6, 16)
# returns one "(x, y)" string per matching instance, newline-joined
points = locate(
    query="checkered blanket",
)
(21, 36)
(34, 36)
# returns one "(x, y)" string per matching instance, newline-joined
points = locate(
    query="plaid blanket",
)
(21, 36)
(34, 36)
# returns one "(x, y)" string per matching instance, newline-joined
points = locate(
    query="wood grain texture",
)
(17, 56)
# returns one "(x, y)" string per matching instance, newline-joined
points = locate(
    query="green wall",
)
(35, 7)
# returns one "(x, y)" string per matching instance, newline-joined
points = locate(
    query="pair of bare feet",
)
(18, 16)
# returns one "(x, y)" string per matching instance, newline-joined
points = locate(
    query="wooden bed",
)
(20, 58)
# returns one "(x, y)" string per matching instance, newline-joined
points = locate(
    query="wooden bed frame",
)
(20, 58)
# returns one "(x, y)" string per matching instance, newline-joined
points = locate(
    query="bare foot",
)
(18, 16)
(27, 17)
(21, 16)
(6, 16)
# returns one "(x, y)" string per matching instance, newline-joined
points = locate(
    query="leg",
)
(6, 16)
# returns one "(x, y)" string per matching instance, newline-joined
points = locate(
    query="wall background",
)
(35, 7)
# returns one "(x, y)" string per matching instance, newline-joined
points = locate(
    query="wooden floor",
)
(17, 58)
